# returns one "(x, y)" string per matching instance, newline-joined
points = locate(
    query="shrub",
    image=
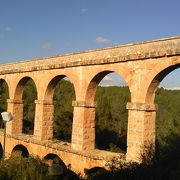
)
(17, 168)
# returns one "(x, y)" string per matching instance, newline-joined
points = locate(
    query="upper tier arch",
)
(157, 80)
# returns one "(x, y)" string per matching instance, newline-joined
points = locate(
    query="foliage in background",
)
(4, 94)
(111, 113)
(111, 118)
(163, 165)
(168, 115)
(63, 111)
(29, 97)
(18, 168)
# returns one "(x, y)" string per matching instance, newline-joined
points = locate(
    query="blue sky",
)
(38, 28)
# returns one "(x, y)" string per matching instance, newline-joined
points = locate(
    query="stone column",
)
(43, 125)
(141, 129)
(83, 131)
(16, 108)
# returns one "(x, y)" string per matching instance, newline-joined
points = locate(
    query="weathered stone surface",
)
(142, 106)
(77, 159)
(142, 65)
(84, 104)
(135, 51)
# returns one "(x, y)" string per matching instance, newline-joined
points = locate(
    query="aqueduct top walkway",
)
(142, 65)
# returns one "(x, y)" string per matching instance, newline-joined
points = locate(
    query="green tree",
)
(29, 97)
(63, 110)
(4, 94)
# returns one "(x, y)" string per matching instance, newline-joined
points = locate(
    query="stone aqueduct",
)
(142, 65)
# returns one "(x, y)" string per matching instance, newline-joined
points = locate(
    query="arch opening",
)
(26, 93)
(20, 150)
(61, 91)
(4, 95)
(167, 97)
(156, 82)
(52, 158)
(111, 93)
(164, 90)
(55, 163)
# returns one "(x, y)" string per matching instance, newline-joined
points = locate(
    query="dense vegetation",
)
(3, 98)
(29, 97)
(18, 168)
(168, 115)
(111, 123)
(32, 168)
(63, 111)
(111, 113)
(111, 118)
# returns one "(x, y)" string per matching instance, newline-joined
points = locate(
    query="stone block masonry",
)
(142, 65)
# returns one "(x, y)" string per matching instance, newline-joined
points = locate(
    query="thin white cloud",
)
(66, 79)
(4, 31)
(83, 11)
(112, 81)
(8, 29)
(107, 78)
(102, 40)
(47, 45)
(170, 88)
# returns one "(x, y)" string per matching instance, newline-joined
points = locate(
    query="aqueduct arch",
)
(2, 80)
(17, 101)
(99, 75)
(92, 87)
(52, 85)
(145, 109)
(159, 75)
(49, 96)
(4, 95)
(53, 158)
(142, 65)
(20, 150)
(157, 80)
(20, 87)
(5, 88)
(89, 113)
